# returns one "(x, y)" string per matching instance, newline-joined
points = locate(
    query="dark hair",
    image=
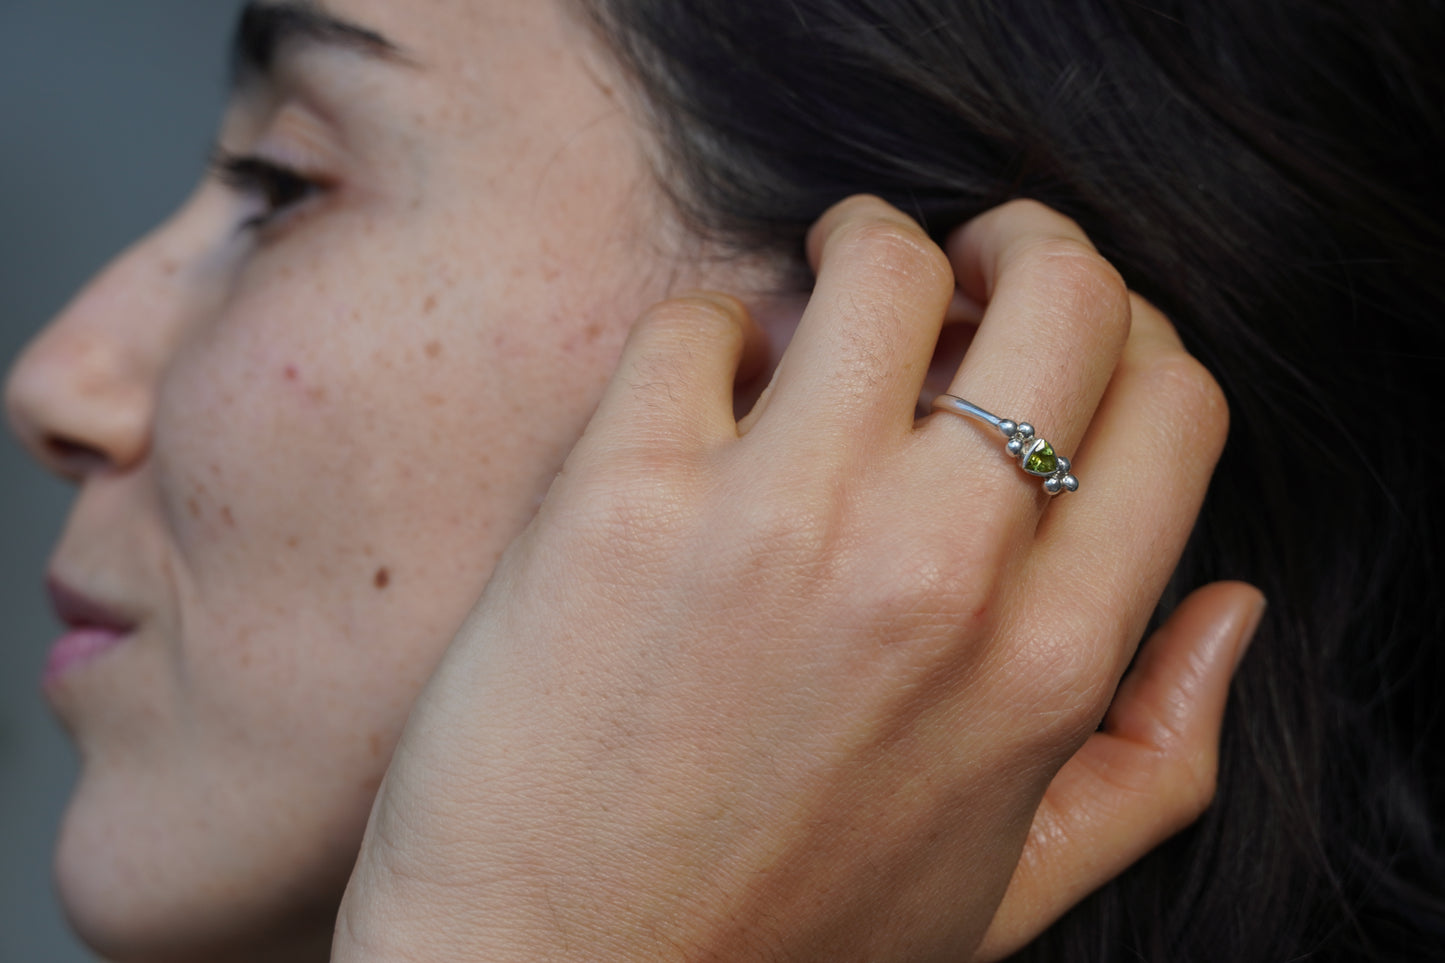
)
(1268, 172)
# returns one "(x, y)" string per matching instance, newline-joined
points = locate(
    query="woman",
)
(795, 685)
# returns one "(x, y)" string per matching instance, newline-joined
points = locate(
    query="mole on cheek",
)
(382, 578)
(293, 374)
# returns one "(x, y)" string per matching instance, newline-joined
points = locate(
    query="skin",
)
(809, 685)
(302, 448)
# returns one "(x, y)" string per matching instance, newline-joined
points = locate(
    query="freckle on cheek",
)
(429, 305)
(433, 349)
(291, 373)
(227, 517)
(382, 578)
(194, 507)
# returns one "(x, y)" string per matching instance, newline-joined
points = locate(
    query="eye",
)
(275, 186)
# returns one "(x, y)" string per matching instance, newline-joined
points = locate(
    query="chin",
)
(139, 886)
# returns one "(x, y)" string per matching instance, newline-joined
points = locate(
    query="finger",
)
(1144, 468)
(1147, 774)
(861, 350)
(1056, 321)
(674, 381)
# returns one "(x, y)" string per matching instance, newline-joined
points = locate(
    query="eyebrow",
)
(265, 29)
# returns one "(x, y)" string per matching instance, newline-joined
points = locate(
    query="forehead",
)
(500, 87)
(456, 42)
(454, 29)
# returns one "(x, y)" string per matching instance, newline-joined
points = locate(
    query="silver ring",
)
(1036, 456)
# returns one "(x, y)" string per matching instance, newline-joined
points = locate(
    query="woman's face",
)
(307, 414)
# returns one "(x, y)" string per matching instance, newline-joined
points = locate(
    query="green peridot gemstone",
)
(1042, 461)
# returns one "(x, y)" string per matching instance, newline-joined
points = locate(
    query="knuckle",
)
(1183, 385)
(922, 588)
(859, 205)
(1079, 273)
(894, 248)
(642, 501)
(671, 346)
(1065, 685)
(792, 529)
(1030, 211)
(690, 319)
(1189, 784)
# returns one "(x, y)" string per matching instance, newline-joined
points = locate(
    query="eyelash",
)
(277, 186)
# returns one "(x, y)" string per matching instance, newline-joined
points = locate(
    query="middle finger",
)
(1056, 322)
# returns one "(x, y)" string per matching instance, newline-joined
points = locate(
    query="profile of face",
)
(306, 415)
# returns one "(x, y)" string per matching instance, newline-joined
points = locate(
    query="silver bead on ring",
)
(1036, 456)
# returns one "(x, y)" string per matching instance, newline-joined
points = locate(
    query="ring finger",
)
(1152, 446)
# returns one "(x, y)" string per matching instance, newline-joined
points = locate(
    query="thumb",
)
(1146, 774)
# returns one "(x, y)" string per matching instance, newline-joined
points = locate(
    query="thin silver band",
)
(1036, 456)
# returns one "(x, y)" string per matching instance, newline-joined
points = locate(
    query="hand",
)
(795, 687)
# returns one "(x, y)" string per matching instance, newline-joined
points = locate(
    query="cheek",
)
(333, 472)
(311, 496)
(342, 485)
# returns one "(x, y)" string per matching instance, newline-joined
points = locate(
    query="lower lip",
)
(79, 646)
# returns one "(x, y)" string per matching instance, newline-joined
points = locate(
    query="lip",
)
(93, 627)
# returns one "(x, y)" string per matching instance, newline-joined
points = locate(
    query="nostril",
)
(73, 458)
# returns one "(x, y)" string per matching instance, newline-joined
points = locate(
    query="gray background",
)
(107, 108)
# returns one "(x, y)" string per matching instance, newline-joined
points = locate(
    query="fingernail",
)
(1251, 625)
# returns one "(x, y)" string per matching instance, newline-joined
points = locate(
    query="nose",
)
(81, 397)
